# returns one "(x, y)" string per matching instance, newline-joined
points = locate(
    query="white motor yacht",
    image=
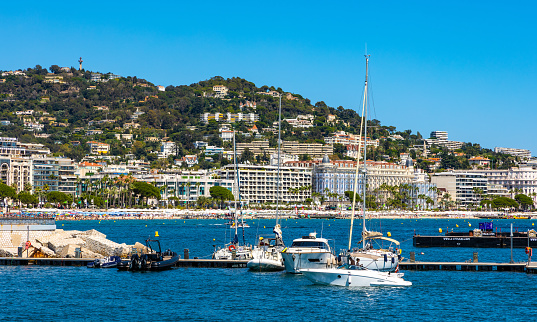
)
(350, 275)
(308, 252)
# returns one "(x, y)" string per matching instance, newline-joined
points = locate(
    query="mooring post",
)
(475, 257)
(187, 255)
(412, 257)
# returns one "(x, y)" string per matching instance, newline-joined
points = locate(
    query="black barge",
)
(483, 237)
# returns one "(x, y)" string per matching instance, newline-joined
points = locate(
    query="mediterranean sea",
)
(45, 293)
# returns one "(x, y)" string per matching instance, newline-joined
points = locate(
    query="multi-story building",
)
(464, 187)
(54, 174)
(166, 149)
(287, 147)
(259, 184)
(229, 117)
(440, 138)
(516, 180)
(220, 91)
(339, 176)
(522, 153)
(98, 147)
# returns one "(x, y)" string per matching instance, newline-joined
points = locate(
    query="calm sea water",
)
(78, 293)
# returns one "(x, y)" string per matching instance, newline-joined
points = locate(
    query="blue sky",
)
(469, 68)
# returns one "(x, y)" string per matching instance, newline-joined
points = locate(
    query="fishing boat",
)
(308, 252)
(352, 270)
(234, 250)
(153, 260)
(107, 262)
(268, 256)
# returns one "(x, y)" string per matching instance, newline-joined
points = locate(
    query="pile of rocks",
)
(92, 244)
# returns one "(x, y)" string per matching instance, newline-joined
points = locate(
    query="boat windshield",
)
(310, 244)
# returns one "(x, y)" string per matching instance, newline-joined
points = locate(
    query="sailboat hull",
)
(378, 260)
(354, 278)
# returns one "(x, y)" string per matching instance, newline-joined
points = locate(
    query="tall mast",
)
(355, 187)
(279, 158)
(364, 177)
(236, 239)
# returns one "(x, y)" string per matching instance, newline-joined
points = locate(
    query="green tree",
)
(221, 193)
(524, 201)
(59, 197)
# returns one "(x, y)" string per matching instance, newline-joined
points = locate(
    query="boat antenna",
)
(362, 121)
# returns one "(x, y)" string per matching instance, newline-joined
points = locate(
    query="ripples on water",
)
(78, 293)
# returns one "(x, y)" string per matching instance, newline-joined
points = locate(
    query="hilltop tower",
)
(80, 62)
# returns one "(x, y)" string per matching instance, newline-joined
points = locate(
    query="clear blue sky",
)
(466, 67)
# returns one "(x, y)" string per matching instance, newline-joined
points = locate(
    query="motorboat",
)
(308, 252)
(153, 260)
(354, 276)
(107, 262)
(352, 273)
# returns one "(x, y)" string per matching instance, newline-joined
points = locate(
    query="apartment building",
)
(463, 186)
(259, 184)
(522, 153)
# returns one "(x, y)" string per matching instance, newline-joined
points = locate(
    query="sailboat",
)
(267, 254)
(235, 250)
(360, 267)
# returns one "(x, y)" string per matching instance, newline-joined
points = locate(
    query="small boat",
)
(354, 276)
(107, 262)
(267, 256)
(154, 260)
(308, 252)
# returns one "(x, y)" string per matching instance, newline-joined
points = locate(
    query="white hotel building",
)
(259, 184)
(523, 178)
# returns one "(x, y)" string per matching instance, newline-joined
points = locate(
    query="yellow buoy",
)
(389, 234)
(146, 225)
(457, 226)
(62, 224)
(469, 225)
(264, 227)
(156, 234)
(213, 239)
(260, 238)
(532, 224)
(440, 230)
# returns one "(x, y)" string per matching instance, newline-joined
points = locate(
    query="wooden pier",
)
(216, 263)
(530, 268)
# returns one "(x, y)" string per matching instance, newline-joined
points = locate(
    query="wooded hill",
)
(69, 104)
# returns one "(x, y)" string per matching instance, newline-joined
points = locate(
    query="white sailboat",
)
(235, 250)
(360, 267)
(267, 254)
